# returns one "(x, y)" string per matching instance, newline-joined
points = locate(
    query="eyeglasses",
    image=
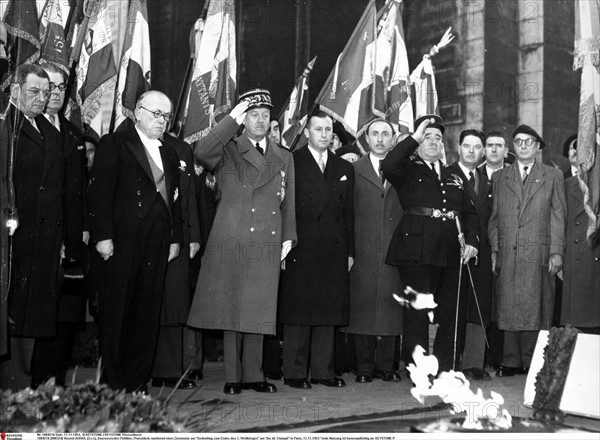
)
(529, 142)
(62, 86)
(157, 114)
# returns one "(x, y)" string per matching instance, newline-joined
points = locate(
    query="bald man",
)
(136, 226)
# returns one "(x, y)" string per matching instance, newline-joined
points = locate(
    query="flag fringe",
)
(593, 223)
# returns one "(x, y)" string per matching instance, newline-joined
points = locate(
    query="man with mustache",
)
(253, 230)
(38, 186)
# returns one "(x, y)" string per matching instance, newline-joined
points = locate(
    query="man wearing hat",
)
(527, 236)
(253, 230)
(425, 245)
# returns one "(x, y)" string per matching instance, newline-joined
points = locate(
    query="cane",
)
(487, 344)
(461, 240)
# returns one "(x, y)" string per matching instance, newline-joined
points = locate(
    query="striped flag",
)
(134, 70)
(392, 88)
(96, 70)
(52, 35)
(213, 87)
(22, 26)
(296, 108)
(348, 93)
(587, 58)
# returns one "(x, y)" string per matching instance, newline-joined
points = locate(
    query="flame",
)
(454, 388)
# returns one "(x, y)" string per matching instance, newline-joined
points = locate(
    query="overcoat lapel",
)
(166, 160)
(251, 155)
(273, 163)
(135, 145)
(513, 181)
(68, 135)
(483, 189)
(535, 180)
(365, 168)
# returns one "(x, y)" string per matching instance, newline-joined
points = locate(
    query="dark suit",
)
(481, 269)
(51, 355)
(426, 249)
(314, 285)
(39, 190)
(125, 206)
(168, 361)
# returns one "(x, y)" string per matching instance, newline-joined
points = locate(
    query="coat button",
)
(253, 209)
(251, 229)
(443, 192)
(576, 241)
(597, 259)
(42, 189)
(140, 204)
(444, 201)
(274, 213)
(273, 233)
(139, 193)
(382, 196)
(577, 223)
(515, 247)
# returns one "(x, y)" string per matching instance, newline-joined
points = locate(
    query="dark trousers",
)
(51, 356)
(272, 352)
(442, 281)
(168, 360)
(302, 343)
(375, 353)
(518, 348)
(15, 367)
(243, 354)
(193, 349)
(344, 353)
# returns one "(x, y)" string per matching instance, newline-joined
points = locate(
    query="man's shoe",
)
(386, 376)
(333, 382)
(195, 374)
(505, 371)
(363, 378)
(171, 382)
(297, 383)
(260, 387)
(476, 374)
(232, 388)
(275, 375)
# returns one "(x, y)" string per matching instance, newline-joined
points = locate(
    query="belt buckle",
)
(450, 215)
(436, 213)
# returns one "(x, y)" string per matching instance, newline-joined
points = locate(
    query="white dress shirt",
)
(151, 146)
(316, 154)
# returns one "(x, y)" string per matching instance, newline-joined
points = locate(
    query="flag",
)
(392, 88)
(134, 70)
(213, 87)
(587, 58)
(423, 78)
(52, 36)
(296, 108)
(23, 45)
(348, 93)
(96, 70)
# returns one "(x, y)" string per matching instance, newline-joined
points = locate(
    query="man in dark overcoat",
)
(169, 363)
(527, 236)
(375, 317)
(253, 230)
(478, 301)
(314, 293)
(51, 356)
(38, 179)
(135, 223)
(581, 271)
(425, 245)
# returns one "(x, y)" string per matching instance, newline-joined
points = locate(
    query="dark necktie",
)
(381, 176)
(525, 173)
(260, 149)
(472, 181)
(432, 164)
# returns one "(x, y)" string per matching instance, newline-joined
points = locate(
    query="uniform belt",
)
(433, 212)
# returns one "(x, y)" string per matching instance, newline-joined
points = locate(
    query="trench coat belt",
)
(432, 212)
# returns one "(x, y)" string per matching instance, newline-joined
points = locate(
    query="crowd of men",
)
(299, 246)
